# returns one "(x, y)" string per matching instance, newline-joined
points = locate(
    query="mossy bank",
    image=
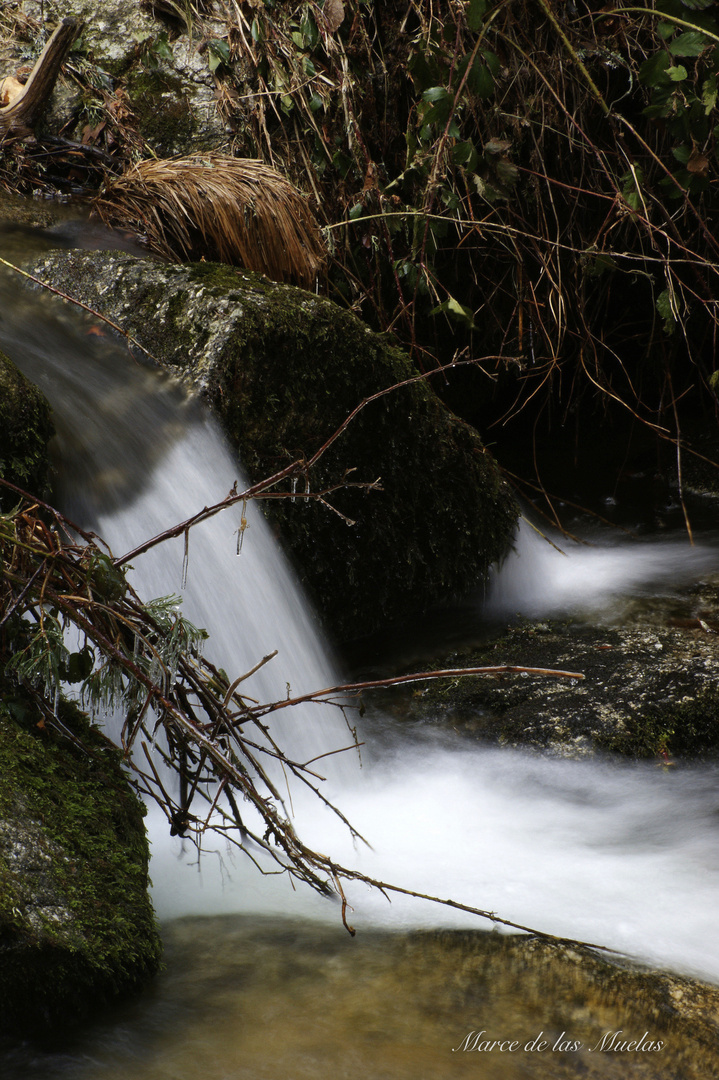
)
(283, 369)
(77, 927)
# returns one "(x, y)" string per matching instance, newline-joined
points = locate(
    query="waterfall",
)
(620, 854)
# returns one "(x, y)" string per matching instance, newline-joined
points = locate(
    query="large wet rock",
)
(77, 927)
(283, 369)
(650, 686)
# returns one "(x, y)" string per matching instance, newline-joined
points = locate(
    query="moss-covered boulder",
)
(25, 429)
(76, 924)
(283, 369)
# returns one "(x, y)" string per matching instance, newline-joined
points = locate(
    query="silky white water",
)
(617, 854)
(548, 574)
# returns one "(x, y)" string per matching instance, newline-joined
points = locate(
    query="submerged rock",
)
(400, 1005)
(283, 369)
(77, 927)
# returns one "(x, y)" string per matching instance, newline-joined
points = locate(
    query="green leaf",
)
(664, 307)
(465, 154)
(492, 61)
(435, 93)
(457, 311)
(423, 73)
(653, 71)
(438, 105)
(298, 39)
(356, 211)
(309, 30)
(219, 53)
(78, 666)
(161, 47)
(599, 263)
(691, 43)
(475, 14)
(709, 94)
(678, 73)
(256, 30)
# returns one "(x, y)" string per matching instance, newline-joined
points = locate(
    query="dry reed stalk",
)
(233, 210)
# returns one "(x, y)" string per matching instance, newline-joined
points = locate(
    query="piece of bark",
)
(17, 118)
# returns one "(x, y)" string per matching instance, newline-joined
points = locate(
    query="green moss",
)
(25, 429)
(83, 930)
(688, 730)
(164, 116)
(290, 374)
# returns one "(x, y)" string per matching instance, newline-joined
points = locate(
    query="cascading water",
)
(548, 574)
(618, 854)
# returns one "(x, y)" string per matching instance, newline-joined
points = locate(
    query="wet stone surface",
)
(650, 686)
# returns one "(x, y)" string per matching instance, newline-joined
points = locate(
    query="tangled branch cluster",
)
(184, 718)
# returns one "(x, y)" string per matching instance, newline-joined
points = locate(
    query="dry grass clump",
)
(233, 210)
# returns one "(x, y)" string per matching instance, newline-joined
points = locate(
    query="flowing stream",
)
(621, 854)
